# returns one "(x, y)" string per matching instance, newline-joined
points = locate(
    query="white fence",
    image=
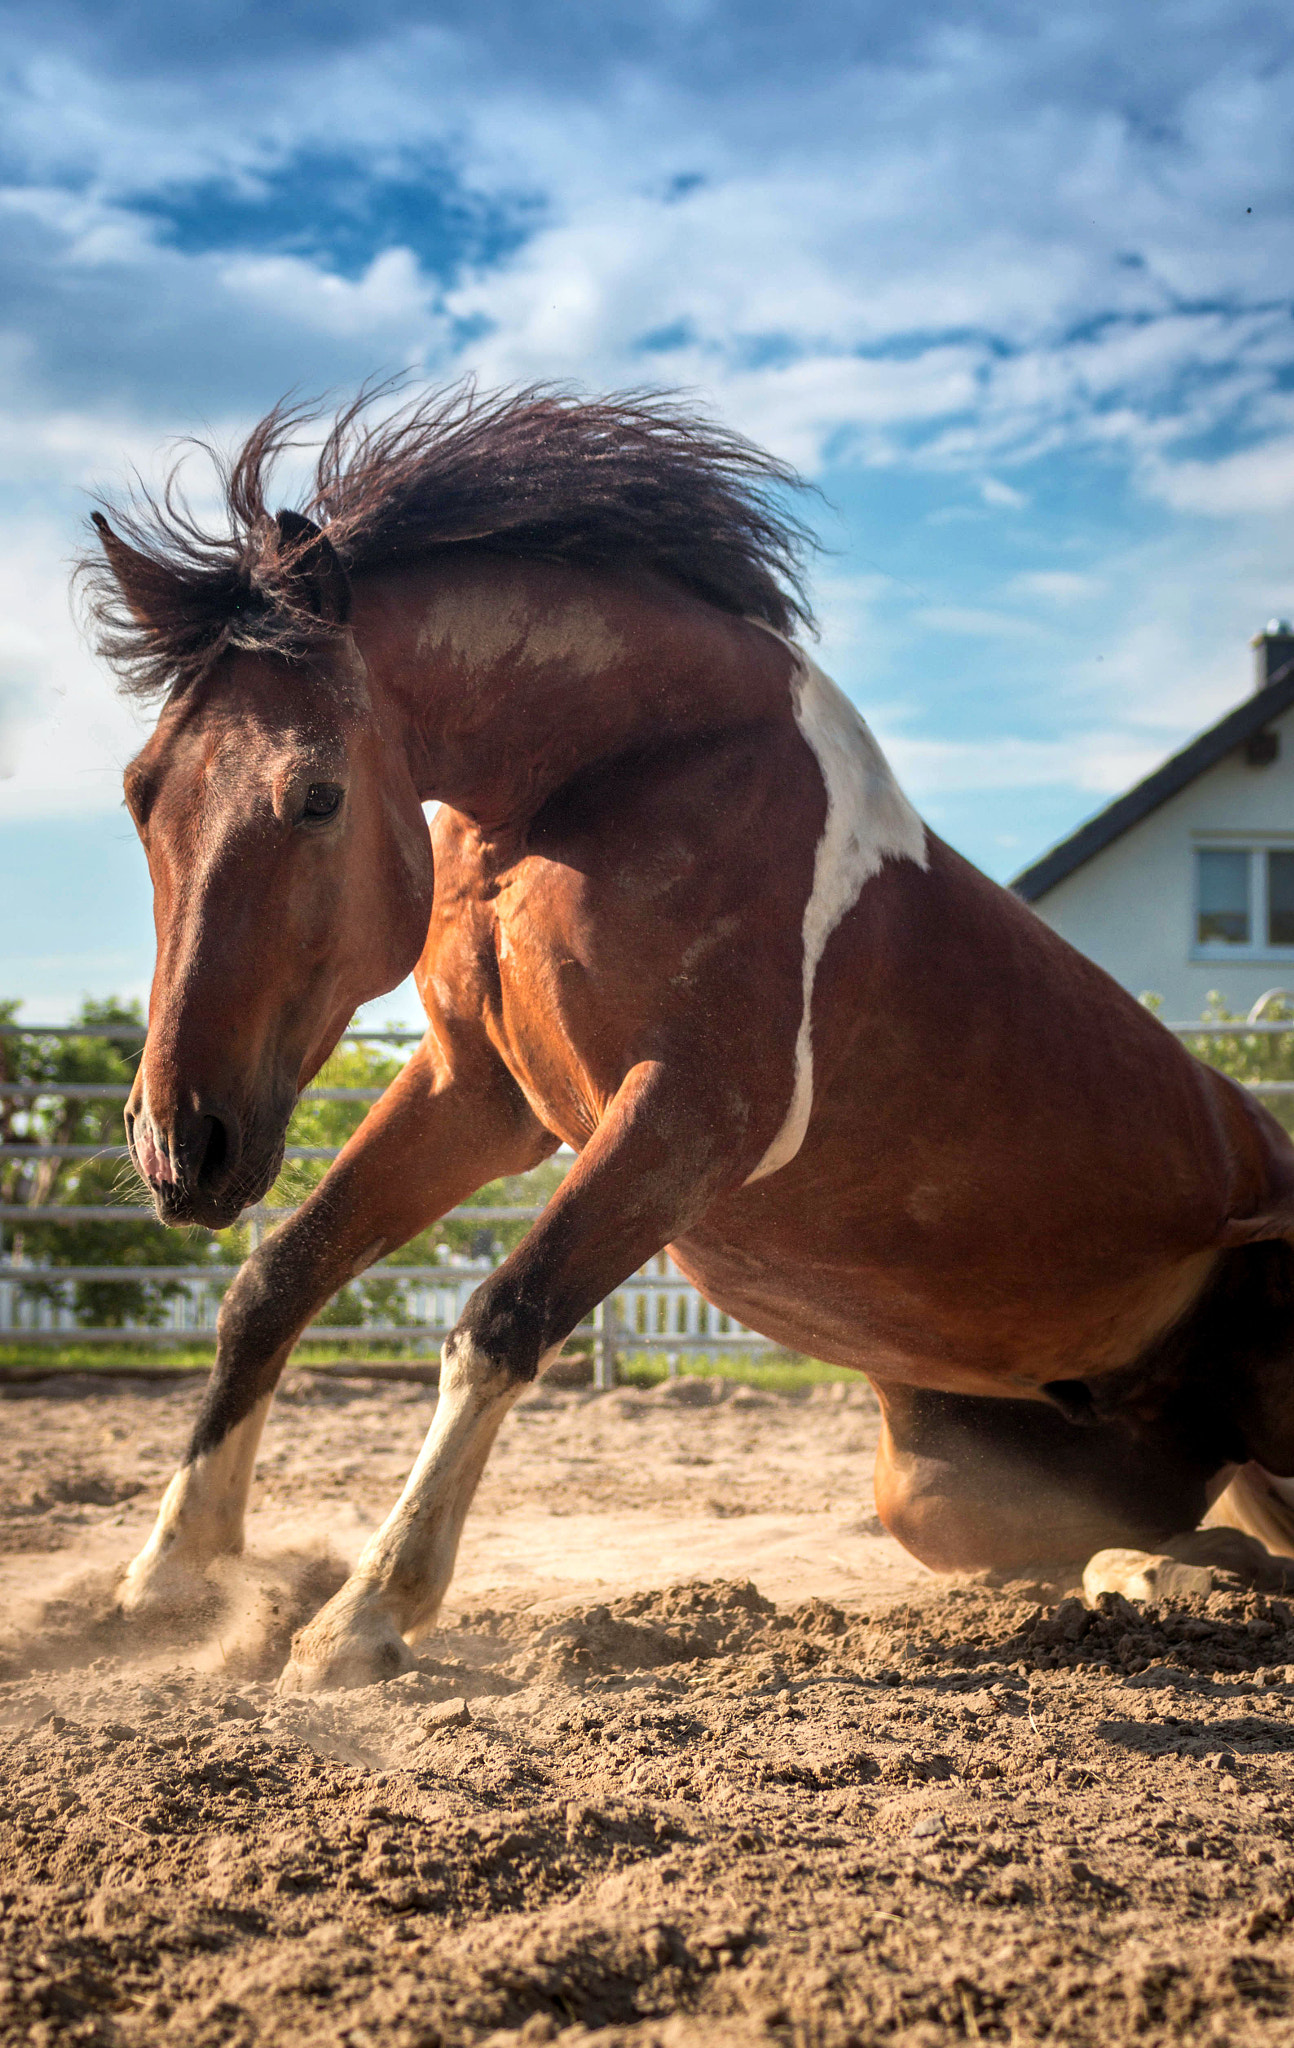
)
(657, 1310)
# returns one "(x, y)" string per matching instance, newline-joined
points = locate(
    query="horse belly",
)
(818, 1316)
(946, 1327)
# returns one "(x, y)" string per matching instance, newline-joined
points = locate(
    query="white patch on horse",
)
(480, 631)
(397, 1585)
(200, 1517)
(869, 821)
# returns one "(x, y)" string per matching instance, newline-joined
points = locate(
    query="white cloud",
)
(994, 492)
(954, 260)
(70, 735)
(1097, 763)
(1057, 586)
(862, 205)
(17, 691)
(391, 306)
(976, 621)
(1250, 480)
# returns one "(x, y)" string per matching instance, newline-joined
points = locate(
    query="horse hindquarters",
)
(967, 1483)
(1121, 1460)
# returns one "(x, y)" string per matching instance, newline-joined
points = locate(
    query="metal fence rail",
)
(131, 1034)
(657, 1310)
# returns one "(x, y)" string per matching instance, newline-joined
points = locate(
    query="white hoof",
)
(342, 1648)
(1143, 1575)
(162, 1585)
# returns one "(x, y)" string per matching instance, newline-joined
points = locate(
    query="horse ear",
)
(145, 585)
(315, 572)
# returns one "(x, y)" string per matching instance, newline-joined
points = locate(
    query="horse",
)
(675, 911)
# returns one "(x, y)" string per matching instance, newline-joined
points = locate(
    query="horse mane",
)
(634, 481)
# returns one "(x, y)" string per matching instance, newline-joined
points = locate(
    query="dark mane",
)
(634, 481)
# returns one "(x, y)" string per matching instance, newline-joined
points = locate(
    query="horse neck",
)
(505, 678)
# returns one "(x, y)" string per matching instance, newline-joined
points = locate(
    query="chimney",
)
(1273, 651)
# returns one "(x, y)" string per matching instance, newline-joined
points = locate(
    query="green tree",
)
(1253, 1056)
(378, 1298)
(53, 1117)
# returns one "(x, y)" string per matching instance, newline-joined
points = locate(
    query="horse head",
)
(291, 869)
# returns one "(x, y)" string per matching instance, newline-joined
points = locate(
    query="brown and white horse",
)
(674, 910)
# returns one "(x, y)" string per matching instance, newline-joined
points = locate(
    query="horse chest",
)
(595, 966)
(547, 1021)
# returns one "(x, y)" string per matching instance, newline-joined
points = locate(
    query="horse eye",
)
(323, 800)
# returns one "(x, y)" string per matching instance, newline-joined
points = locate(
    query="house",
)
(1186, 883)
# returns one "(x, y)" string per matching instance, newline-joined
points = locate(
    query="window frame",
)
(1257, 846)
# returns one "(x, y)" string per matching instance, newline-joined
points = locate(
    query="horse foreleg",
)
(421, 1149)
(403, 1571)
(657, 1161)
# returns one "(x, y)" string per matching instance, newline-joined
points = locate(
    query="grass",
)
(780, 1372)
(74, 1357)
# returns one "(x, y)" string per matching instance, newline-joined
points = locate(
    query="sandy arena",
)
(700, 1756)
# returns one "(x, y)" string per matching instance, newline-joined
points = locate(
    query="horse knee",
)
(467, 1369)
(924, 1507)
(930, 1490)
(942, 1518)
(264, 1303)
(500, 1337)
(969, 1484)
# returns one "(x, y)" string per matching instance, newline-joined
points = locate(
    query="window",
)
(1244, 898)
(1224, 898)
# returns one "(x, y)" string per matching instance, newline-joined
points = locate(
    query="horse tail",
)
(1258, 1504)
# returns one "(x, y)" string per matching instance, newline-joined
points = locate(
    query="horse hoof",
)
(1144, 1575)
(165, 1587)
(332, 1660)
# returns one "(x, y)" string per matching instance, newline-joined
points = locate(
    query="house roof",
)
(1175, 774)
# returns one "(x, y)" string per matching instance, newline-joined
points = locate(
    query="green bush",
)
(55, 1119)
(1250, 1056)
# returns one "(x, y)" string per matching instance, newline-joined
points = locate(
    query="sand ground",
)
(699, 1756)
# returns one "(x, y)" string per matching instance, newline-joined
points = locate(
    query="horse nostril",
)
(214, 1156)
(197, 1152)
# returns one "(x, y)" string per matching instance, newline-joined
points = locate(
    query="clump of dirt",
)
(1235, 1629)
(645, 1816)
(636, 1633)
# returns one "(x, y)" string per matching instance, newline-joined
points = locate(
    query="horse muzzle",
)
(195, 1165)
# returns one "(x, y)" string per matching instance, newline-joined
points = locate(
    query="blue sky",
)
(1013, 286)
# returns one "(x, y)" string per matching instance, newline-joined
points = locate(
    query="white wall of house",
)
(1133, 908)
